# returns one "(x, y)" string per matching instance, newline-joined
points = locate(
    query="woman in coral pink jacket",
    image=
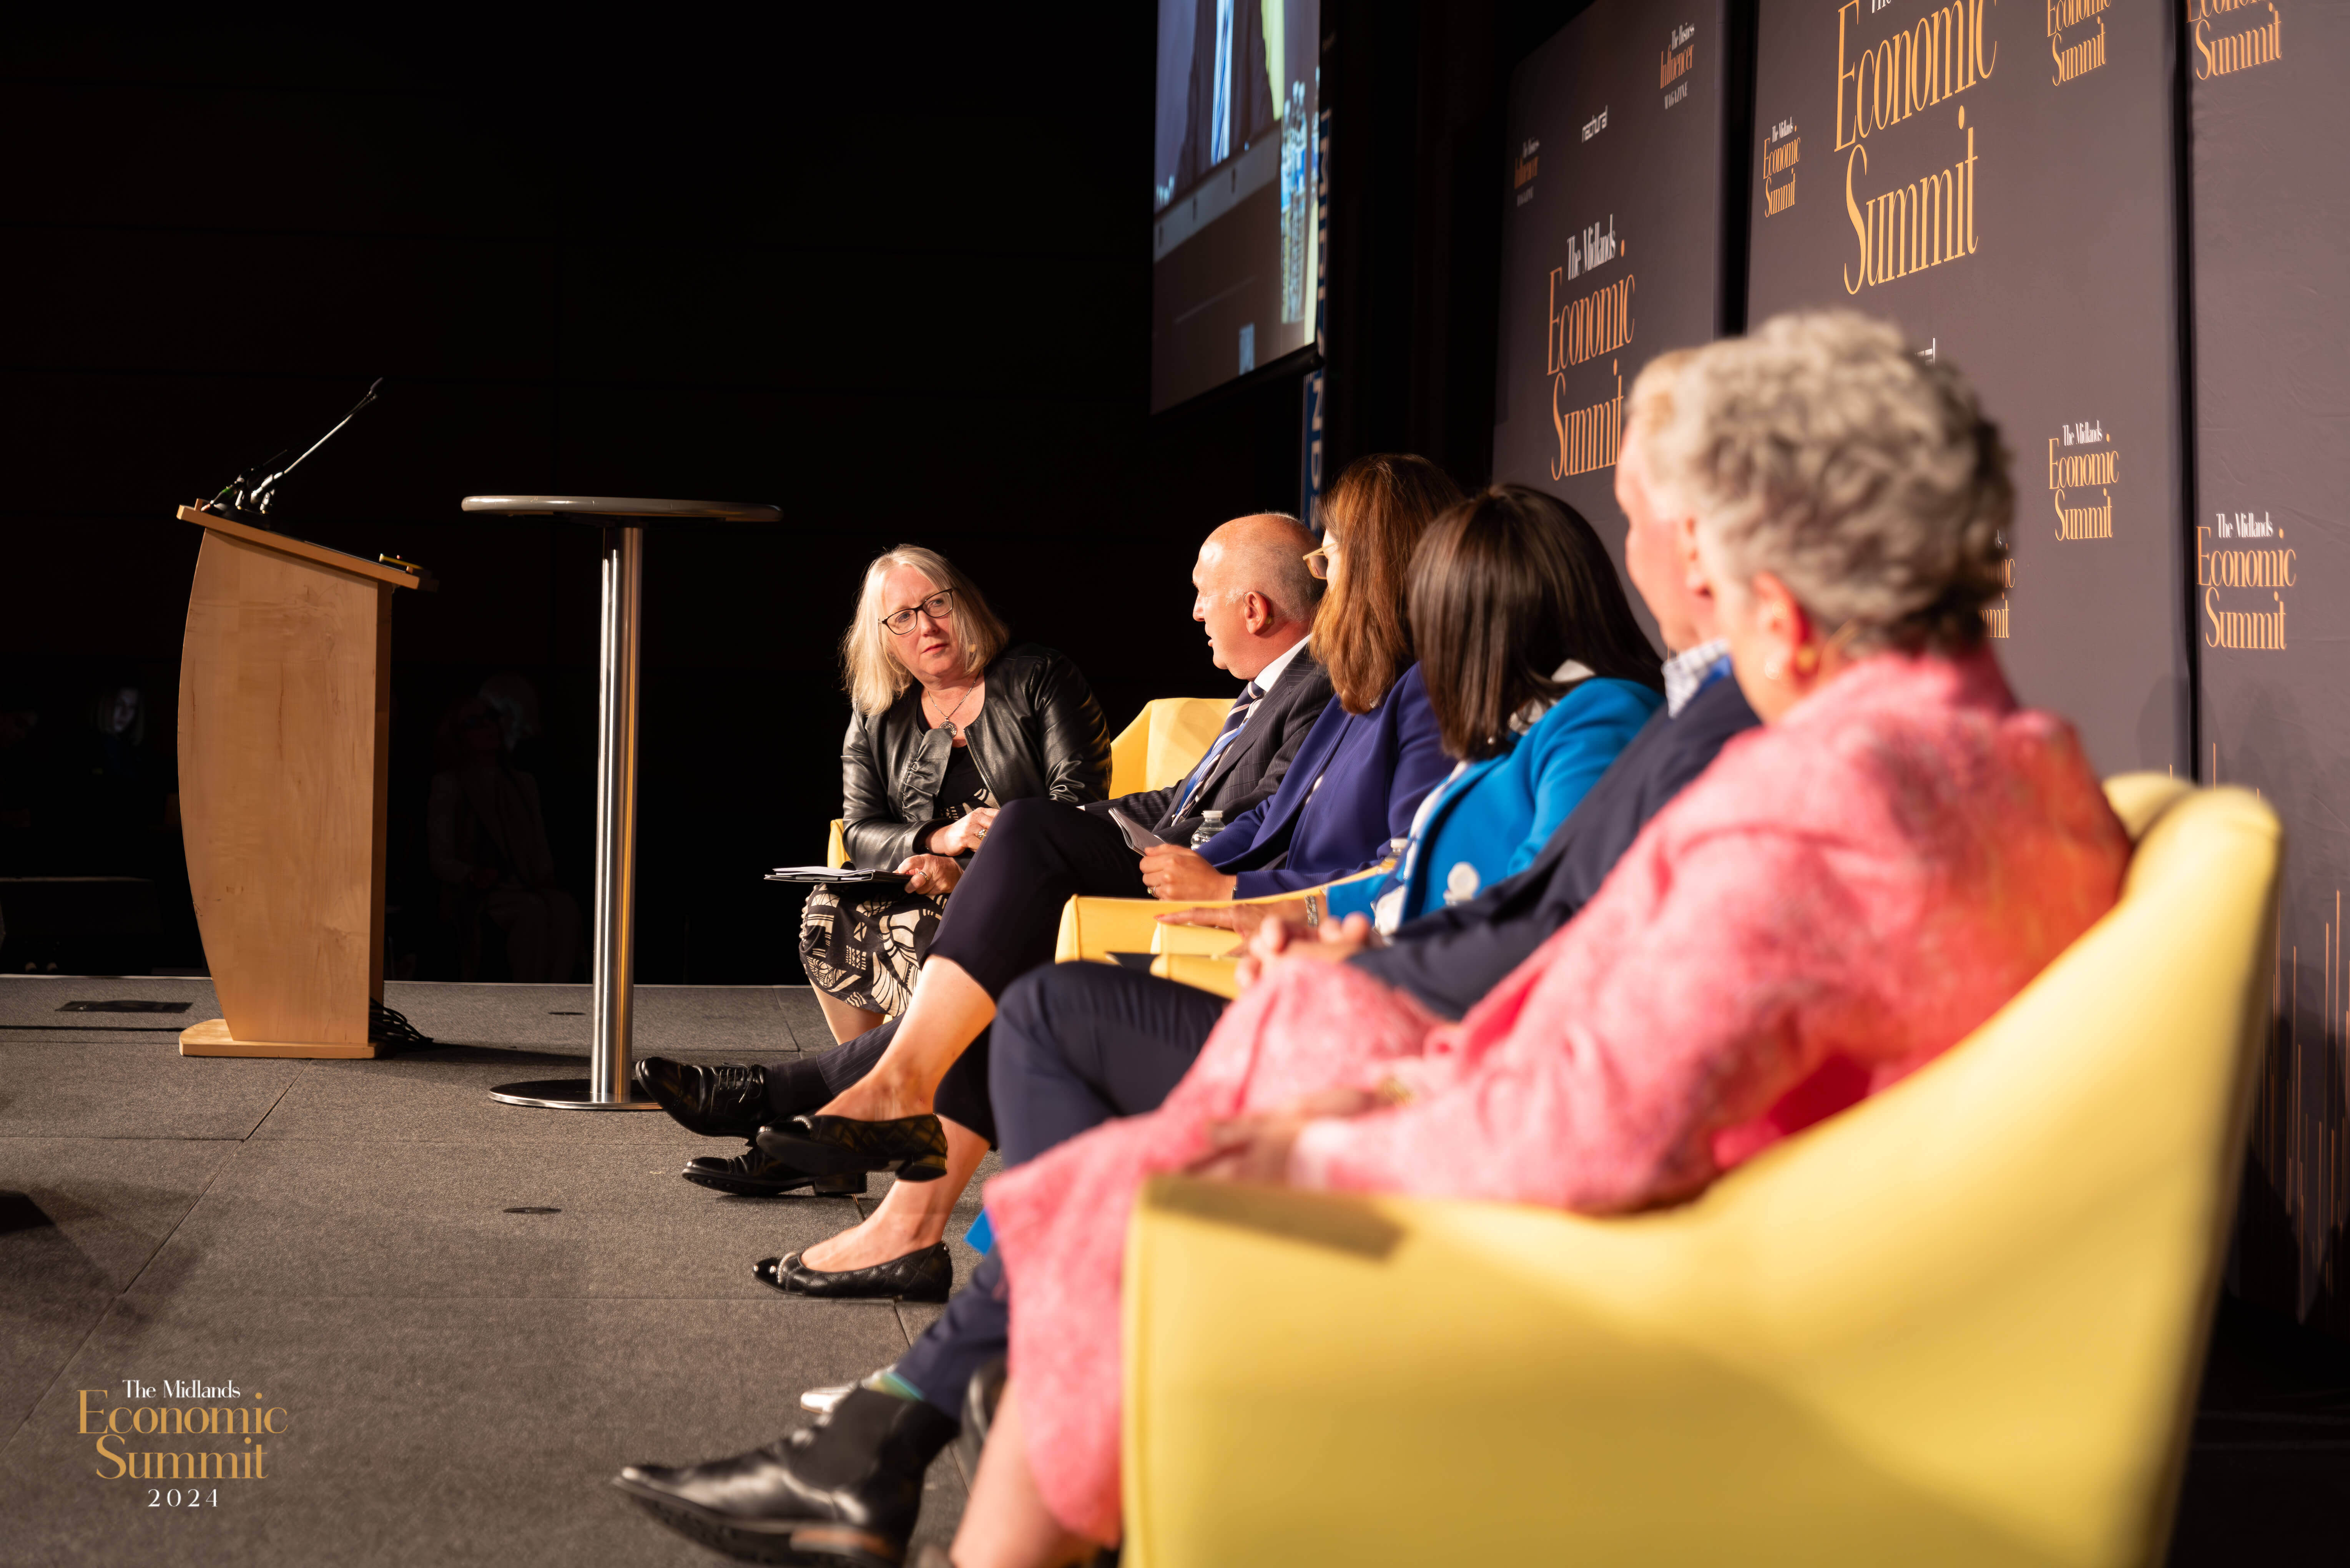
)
(1844, 895)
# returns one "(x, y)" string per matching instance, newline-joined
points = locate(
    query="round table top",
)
(594, 507)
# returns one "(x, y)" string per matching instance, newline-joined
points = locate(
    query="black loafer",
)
(924, 1276)
(727, 1101)
(845, 1490)
(840, 1145)
(756, 1174)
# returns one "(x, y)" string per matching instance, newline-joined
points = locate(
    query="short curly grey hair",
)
(1822, 448)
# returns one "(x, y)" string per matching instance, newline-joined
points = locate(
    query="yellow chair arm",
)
(1093, 929)
(1200, 971)
(836, 852)
(1960, 1323)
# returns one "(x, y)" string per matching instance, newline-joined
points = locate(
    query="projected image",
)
(1232, 190)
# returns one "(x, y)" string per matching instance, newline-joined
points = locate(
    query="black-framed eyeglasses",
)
(939, 605)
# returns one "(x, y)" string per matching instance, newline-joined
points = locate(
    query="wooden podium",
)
(285, 731)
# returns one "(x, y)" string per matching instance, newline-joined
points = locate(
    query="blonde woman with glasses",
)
(949, 724)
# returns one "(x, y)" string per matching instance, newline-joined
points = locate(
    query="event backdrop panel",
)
(2271, 252)
(1611, 244)
(2001, 180)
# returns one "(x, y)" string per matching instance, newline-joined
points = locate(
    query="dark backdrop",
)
(892, 277)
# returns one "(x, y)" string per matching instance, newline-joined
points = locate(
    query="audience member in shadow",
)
(487, 838)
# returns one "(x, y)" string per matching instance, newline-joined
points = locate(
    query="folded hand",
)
(1279, 939)
(1172, 871)
(1255, 1147)
(932, 874)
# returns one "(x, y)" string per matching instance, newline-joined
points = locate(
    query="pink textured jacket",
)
(1844, 895)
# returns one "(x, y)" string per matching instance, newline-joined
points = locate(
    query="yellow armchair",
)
(1156, 750)
(1960, 1323)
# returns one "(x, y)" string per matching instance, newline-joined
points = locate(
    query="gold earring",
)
(1807, 658)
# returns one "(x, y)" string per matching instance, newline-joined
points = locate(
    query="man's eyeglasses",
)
(1321, 558)
(939, 605)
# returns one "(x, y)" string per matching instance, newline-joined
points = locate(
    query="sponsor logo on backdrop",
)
(2074, 475)
(1908, 227)
(1522, 175)
(2243, 584)
(1676, 62)
(172, 1432)
(1780, 149)
(2219, 53)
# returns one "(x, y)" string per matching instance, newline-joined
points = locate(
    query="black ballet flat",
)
(756, 1174)
(923, 1276)
(840, 1145)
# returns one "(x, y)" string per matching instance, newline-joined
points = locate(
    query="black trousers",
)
(1075, 1045)
(1003, 921)
(1005, 916)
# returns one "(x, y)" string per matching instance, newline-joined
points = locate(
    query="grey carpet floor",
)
(459, 1381)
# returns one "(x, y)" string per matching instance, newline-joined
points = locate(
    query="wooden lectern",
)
(285, 731)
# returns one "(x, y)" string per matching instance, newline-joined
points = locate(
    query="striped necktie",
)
(1232, 723)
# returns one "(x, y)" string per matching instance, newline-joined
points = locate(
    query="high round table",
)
(623, 519)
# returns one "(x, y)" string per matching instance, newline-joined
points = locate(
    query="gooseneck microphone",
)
(253, 496)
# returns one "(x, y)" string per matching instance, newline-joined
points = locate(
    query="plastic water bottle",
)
(1212, 822)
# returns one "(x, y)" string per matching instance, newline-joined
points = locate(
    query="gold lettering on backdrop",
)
(1919, 224)
(1669, 67)
(2270, 569)
(1939, 58)
(2222, 55)
(1777, 161)
(2100, 470)
(1588, 438)
(1599, 323)
(1995, 615)
(2078, 60)
(1914, 226)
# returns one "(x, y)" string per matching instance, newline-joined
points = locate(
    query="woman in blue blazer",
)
(1363, 770)
(1537, 675)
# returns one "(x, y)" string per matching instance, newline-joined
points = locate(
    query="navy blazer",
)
(1450, 958)
(1355, 784)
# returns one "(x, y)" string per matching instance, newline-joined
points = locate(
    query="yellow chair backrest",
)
(1960, 1323)
(1156, 750)
(1165, 739)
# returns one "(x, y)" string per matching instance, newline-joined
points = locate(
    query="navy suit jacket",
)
(1448, 959)
(1355, 784)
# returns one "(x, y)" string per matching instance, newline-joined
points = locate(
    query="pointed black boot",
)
(757, 1174)
(847, 1489)
(725, 1101)
(843, 1146)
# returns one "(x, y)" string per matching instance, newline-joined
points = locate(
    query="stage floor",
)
(459, 1381)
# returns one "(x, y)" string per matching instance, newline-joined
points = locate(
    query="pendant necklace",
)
(948, 724)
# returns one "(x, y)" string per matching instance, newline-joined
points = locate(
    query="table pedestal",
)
(608, 1088)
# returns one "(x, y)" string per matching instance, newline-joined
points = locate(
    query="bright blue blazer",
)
(1495, 816)
(1373, 770)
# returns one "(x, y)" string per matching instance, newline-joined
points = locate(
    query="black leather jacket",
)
(1038, 733)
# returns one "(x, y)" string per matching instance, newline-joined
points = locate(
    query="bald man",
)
(1256, 599)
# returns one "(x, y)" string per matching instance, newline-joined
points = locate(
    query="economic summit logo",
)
(170, 1433)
